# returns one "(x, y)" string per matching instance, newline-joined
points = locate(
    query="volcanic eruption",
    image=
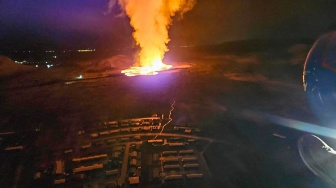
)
(150, 20)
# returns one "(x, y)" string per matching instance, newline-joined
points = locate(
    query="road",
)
(123, 171)
(210, 140)
(154, 134)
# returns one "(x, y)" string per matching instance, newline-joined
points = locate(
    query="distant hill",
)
(254, 45)
(9, 67)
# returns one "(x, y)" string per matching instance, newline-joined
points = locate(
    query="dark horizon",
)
(85, 24)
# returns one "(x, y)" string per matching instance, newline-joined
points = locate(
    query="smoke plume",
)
(151, 20)
(110, 6)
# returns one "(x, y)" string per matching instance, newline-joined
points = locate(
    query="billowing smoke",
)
(151, 20)
(110, 6)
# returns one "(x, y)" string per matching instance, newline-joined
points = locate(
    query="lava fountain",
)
(150, 20)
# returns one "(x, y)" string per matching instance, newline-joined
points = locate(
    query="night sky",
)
(82, 23)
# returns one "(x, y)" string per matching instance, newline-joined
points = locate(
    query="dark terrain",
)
(217, 93)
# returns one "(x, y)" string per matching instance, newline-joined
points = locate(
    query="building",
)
(173, 176)
(133, 154)
(176, 144)
(79, 159)
(85, 146)
(169, 153)
(87, 168)
(172, 166)
(59, 167)
(9, 148)
(187, 152)
(59, 181)
(134, 180)
(190, 176)
(133, 162)
(116, 154)
(189, 159)
(193, 165)
(112, 172)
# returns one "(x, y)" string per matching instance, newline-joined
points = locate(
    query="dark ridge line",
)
(74, 80)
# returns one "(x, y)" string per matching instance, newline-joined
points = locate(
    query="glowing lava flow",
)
(146, 70)
(170, 119)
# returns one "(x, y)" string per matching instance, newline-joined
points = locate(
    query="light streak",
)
(301, 126)
(170, 119)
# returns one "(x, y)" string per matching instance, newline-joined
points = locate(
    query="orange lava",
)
(151, 69)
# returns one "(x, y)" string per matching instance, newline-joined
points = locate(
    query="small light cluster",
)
(87, 50)
(37, 63)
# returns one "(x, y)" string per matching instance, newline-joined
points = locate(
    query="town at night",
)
(167, 93)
